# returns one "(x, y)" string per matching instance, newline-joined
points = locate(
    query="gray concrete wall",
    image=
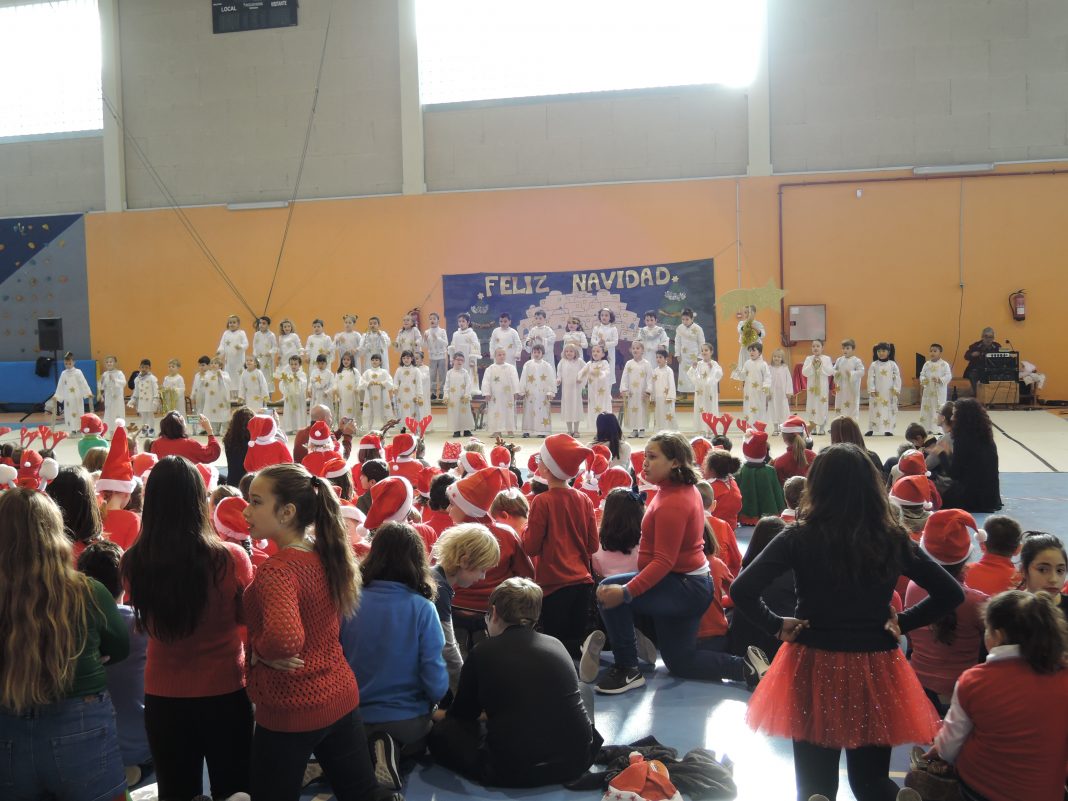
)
(51, 176)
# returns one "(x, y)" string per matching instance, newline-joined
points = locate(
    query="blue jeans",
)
(676, 605)
(68, 750)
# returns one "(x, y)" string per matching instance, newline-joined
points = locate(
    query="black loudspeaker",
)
(43, 368)
(50, 333)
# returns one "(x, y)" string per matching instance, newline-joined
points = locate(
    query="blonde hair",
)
(779, 352)
(510, 502)
(708, 495)
(475, 446)
(44, 602)
(468, 546)
(94, 459)
(517, 600)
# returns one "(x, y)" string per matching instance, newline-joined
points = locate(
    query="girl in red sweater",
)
(797, 458)
(305, 692)
(1007, 728)
(719, 470)
(185, 586)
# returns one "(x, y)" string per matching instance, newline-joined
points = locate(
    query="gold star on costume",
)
(496, 379)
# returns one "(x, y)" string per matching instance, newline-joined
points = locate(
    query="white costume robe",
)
(319, 345)
(634, 384)
(567, 376)
(816, 370)
(782, 387)
(508, 339)
(375, 342)
(688, 342)
(409, 339)
(347, 391)
(576, 338)
(146, 399)
(264, 348)
(598, 379)
(607, 336)
(884, 385)
(662, 400)
(756, 376)
(465, 341)
(653, 339)
(288, 345)
(71, 390)
(500, 383)
(704, 377)
(253, 389)
(112, 391)
(934, 379)
(196, 393)
(377, 387)
(538, 387)
(848, 373)
(743, 349)
(321, 387)
(232, 348)
(424, 396)
(459, 387)
(216, 392)
(407, 391)
(348, 342)
(545, 336)
(172, 393)
(293, 384)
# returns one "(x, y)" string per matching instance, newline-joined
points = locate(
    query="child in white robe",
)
(423, 399)
(662, 394)
(72, 390)
(145, 398)
(289, 344)
(848, 373)
(537, 385)
(884, 387)
(653, 337)
(816, 370)
(196, 392)
(377, 388)
(217, 391)
(112, 391)
(232, 348)
(319, 344)
(321, 383)
(934, 379)
(465, 342)
(459, 388)
(634, 389)
(436, 345)
(704, 378)
(407, 386)
(293, 384)
(376, 341)
(574, 335)
(172, 389)
(253, 390)
(749, 330)
(541, 334)
(409, 337)
(689, 338)
(567, 378)
(781, 391)
(756, 379)
(264, 347)
(500, 384)
(597, 377)
(348, 341)
(606, 334)
(347, 388)
(506, 338)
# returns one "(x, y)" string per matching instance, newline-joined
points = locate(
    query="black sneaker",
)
(887, 434)
(618, 680)
(869, 433)
(467, 433)
(456, 433)
(385, 758)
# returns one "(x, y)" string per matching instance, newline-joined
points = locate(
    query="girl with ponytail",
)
(305, 692)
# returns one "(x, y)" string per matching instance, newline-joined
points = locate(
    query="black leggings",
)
(816, 770)
(279, 759)
(184, 732)
(564, 615)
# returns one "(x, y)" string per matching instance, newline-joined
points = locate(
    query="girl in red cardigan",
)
(305, 692)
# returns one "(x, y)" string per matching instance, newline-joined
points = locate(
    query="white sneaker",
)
(908, 794)
(758, 659)
(590, 662)
(646, 648)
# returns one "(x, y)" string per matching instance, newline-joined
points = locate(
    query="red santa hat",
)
(91, 424)
(315, 460)
(229, 518)
(532, 463)
(912, 491)
(350, 512)
(261, 430)
(369, 442)
(642, 780)
(755, 445)
(613, 478)
(602, 449)
(596, 467)
(333, 466)
(426, 478)
(143, 464)
(209, 475)
(947, 536)
(474, 494)
(391, 500)
(320, 437)
(563, 456)
(117, 474)
(450, 452)
(404, 446)
(701, 447)
(637, 463)
(912, 463)
(500, 456)
(794, 425)
(471, 462)
(35, 471)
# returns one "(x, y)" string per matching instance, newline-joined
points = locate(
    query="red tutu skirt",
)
(841, 699)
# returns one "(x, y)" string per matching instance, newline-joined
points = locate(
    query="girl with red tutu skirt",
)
(840, 681)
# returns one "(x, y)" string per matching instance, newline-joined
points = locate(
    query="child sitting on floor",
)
(995, 572)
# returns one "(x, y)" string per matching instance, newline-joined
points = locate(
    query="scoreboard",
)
(228, 16)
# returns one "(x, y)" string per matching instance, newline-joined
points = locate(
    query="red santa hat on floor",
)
(35, 471)
(947, 536)
(563, 456)
(320, 437)
(209, 475)
(794, 425)
(229, 519)
(264, 446)
(755, 445)
(642, 780)
(637, 464)
(117, 474)
(143, 464)
(500, 456)
(912, 463)
(912, 491)
(701, 447)
(391, 500)
(450, 452)
(614, 478)
(471, 462)
(403, 446)
(91, 424)
(474, 494)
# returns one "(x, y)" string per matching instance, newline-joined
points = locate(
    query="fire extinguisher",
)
(1017, 305)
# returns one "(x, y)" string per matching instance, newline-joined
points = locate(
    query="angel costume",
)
(756, 377)
(598, 379)
(319, 345)
(112, 391)
(71, 391)
(607, 336)
(321, 386)
(465, 341)
(545, 336)
(500, 383)
(704, 377)
(884, 385)
(747, 335)
(293, 384)
(459, 387)
(264, 347)
(172, 393)
(508, 340)
(375, 342)
(216, 390)
(567, 376)
(662, 400)
(633, 384)
(407, 391)
(253, 390)
(688, 342)
(538, 387)
(934, 378)
(377, 387)
(347, 391)
(232, 349)
(653, 339)
(816, 370)
(146, 399)
(848, 373)
(782, 387)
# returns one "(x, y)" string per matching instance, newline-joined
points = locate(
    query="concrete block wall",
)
(222, 118)
(869, 83)
(51, 176)
(686, 132)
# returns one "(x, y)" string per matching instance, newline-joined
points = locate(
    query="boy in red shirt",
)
(995, 572)
(562, 532)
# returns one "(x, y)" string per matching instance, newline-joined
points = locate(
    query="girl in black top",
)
(840, 680)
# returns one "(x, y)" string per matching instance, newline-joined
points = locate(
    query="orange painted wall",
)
(885, 264)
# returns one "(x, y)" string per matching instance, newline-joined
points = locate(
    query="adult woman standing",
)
(57, 629)
(174, 440)
(305, 692)
(235, 445)
(971, 462)
(185, 586)
(672, 585)
(840, 680)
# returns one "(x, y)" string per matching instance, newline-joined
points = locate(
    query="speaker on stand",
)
(49, 337)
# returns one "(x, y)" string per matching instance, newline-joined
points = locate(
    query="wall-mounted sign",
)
(228, 16)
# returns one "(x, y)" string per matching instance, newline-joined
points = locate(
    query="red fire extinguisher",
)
(1017, 305)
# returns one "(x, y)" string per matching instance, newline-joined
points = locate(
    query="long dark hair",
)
(971, 424)
(316, 505)
(237, 431)
(398, 554)
(846, 506)
(845, 429)
(609, 432)
(1034, 623)
(73, 492)
(621, 523)
(172, 567)
(172, 426)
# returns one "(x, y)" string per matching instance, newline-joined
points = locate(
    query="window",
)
(487, 49)
(50, 60)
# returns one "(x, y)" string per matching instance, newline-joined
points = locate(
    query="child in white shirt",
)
(689, 338)
(436, 343)
(293, 384)
(112, 391)
(506, 338)
(172, 390)
(465, 342)
(72, 390)
(264, 347)
(409, 337)
(598, 379)
(703, 377)
(288, 343)
(500, 385)
(816, 370)
(756, 379)
(567, 377)
(541, 334)
(376, 341)
(146, 397)
(848, 373)
(662, 393)
(377, 388)
(348, 341)
(459, 388)
(606, 334)
(537, 385)
(653, 337)
(319, 344)
(884, 387)
(934, 379)
(321, 382)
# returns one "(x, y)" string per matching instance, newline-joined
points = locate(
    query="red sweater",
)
(439, 521)
(728, 500)
(728, 544)
(290, 612)
(673, 536)
(937, 665)
(122, 527)
(992, 574)
(514, 562)
(189, 448)
(714, 621)
(786, 466)
(211, 660)
(562, 531)
(1019, 744)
